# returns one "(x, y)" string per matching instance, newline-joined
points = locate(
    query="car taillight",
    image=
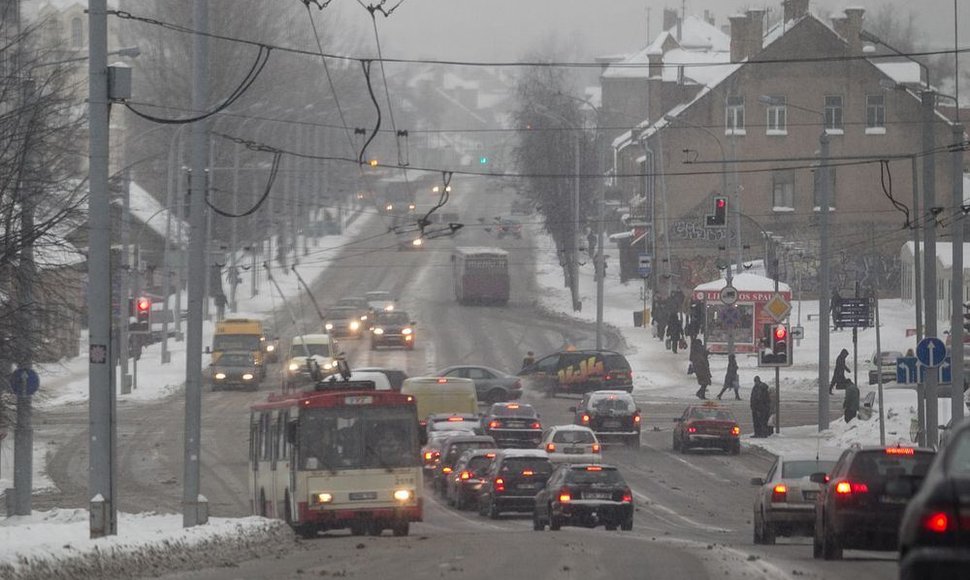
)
(427, 456)
(596, 447)
(465, 475)
(608, 377)
(499, 484)
(779, 493)
(900, 451)
(536, 425)
(627, 496)
(585, 418)
(847, 488)
(528, 473)
(446, 469)
(494, 424)
(938, 522)
(565, 496)
(636, 418)
(735, 430)
(692, 429)
(550, 447)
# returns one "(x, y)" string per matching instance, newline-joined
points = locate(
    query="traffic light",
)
(143, 315)
(719, 218)
(483, 160)
(776, 351)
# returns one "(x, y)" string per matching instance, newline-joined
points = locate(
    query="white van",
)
(323, 348)
(441, 395)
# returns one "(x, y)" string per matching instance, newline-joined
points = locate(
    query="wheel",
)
(555, 523)
(816, 546)
(460, 503)
(676, 444)
(831, 546)
(736, 448)
(757, 530)
(627, 524)
(357, 529)
(482, 511)
(634, 441)
(401, 528)
(768, 532)
(306, 532)
(610, 527)
(449, 500)
(493, 511)
(495, 396)
(537, 524)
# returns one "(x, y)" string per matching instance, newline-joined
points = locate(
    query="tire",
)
(758, 539)
(676, 444)
(831, 546)
(735, 449)
(627, 524)
(493, 511)
(460, 503)
(768, 532)
(537, 524)
(401, 529)
(555, 523)
(610, 527)
(482, 511)
(634, 441)
(816, 546)
(495, 396)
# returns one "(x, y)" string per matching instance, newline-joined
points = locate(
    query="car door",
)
(543, 375)
(484, 380)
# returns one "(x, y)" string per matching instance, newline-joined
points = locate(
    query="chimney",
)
(838, 23)
(670, 19)
(795, 9)
(853, 26)
(739, 37)
(708, 17)
(655, 60)
(755, 32)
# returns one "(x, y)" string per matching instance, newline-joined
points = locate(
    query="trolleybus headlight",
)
(378, 331)
(328, 326)
(417, 242)
(403, 494)
(407, 331)
(354, 325)
(294, 366)
(323, 498)
(220, 376)
(328, 365)
(389, 307)
(270, 348)
(247, 377)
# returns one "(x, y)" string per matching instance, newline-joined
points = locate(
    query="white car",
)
(378, 300)
(571, 444)
(785, 502)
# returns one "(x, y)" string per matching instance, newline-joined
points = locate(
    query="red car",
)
(707, 426)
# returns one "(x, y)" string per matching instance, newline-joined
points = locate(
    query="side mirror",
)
(572, 409)
(757, 481)
(820, 477)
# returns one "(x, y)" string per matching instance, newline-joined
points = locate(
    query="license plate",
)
(611, 424)
(893, 499)
(572, 451)
(363, 495)
(526, 486)
(596, 495)
(810, 495)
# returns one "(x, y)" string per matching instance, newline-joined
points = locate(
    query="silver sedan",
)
(491, 385)
(785, 503)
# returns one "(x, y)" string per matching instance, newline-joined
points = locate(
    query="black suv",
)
(513, 425)
(513, 480)
(860, 505)
(451, 451)
(392, 328)
(579, 371)
(610, 414)
(934, 538)
(584, 495)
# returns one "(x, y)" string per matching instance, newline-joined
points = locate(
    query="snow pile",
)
(55, 544)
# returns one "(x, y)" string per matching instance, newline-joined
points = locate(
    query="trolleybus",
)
(481, 275)
(343, 457)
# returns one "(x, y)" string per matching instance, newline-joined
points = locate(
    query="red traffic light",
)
(780, 333)
(720, 202)
(144, 304)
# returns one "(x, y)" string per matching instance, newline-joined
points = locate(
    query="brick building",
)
(765, 108)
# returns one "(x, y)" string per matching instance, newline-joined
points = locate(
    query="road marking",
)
(692, 522)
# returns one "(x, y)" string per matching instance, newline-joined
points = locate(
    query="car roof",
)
(808, 457)
(481, 452)
(607, 392)
(310, 338)
(471, 439)
(583, 466)
(538, 453)
(435, 416)
(585, 351)
(488, 368)
(570, 428)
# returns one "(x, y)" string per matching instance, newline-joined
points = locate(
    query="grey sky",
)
(505, 29)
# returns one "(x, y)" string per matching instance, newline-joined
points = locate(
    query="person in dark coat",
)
(674, 331)
(839, 375)
(850, 406)
(731, 379)
(702, 367)
(529, 359)
(760, 407)
(660, 318)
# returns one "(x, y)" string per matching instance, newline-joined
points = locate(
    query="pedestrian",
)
(731, 380)
(760, 402)
(850, 406)
(674, 331)
(529, 360)
(835, 308)
(660, 317)
(839, 378)
(702, 367)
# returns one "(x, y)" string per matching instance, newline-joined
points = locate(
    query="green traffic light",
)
(483, 160)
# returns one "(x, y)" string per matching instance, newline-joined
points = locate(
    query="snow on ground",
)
(660, 373)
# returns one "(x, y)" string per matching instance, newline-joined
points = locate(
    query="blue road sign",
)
(644, 265)
(943, 373)
(24, 382)
(931, 351)
(906, 370)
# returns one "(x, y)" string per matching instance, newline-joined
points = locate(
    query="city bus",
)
(481, 275)
(345, 456)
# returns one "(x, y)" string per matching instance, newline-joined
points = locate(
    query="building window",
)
(875, 114)
(734, 116)
(817, 174)
(777, 116)
(77, 33)
(833, 115)
(783, 191)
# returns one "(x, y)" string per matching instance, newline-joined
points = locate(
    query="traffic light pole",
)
(956, 317)
(124, 303)
(778, 369)
(929, 258)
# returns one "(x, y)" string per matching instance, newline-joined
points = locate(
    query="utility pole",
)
(193, 504)
(574, 234)
(123, 299)
(101, 383)
(600, 265)
(929, 256)
(824, 292)
(956, 316)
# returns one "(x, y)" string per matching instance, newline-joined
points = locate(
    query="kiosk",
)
(747, 319)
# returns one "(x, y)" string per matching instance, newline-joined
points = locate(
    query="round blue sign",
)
(24, 382)
(931, 351)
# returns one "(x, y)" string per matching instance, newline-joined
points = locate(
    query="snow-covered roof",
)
(700, 43)
(902, 72)
(150, 212)
(50, 253)
(525, 453)
(570, 428)
(745, 282)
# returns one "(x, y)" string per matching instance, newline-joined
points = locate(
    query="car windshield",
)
(804, 468)
(513, 411)
(584, 476)
(616, 362)
(463, 425)
(456, 449)
(392, 318)
(573, 436)
(378, 296)
(711, 414)
(881, 464)
(236, 360)
(222, 342)
(538, 465)
(612, 403)
(318, 349)
(478, 464)
(343, 312)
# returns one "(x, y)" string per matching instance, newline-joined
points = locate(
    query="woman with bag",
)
(702, 367)
(675, 332)
(731, 379)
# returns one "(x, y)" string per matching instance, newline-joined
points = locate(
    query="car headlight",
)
(323, 497)
(220, 376)
(403, 494)
(270, 348)
(406, 331)
(328, 365)
(378, 331)
(294, 366)
(389, 307)
(363, 318)
(247, 377)
(328, 326)
(417, 242)
(354, 325)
